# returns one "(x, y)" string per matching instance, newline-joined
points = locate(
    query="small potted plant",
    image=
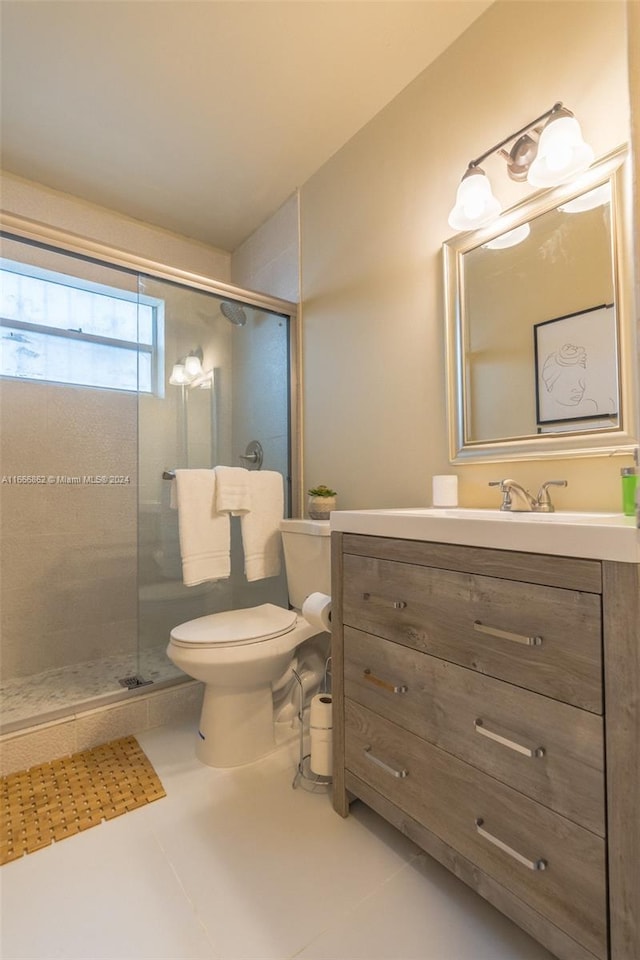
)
(322, 500)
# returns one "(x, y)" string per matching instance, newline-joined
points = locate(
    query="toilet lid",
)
(235, 627)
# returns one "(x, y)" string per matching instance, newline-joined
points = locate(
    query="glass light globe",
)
(192, 367)
(475, 203)
(509, 239)
(178, 375)
(562, 153)
(588, 201)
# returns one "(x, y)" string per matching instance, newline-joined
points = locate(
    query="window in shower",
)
(63, 329)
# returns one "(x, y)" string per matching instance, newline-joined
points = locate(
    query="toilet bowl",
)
(240, 654)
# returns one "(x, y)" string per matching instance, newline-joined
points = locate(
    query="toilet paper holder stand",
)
(304, 774)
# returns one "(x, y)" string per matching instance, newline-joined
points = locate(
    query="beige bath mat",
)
(57, 799)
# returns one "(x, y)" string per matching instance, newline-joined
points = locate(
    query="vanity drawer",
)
(548, 750)
(546, 639)
(555, 866)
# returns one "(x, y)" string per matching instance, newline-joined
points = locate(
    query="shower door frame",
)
(29, 230)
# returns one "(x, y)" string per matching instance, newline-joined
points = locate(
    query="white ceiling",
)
(203, 116)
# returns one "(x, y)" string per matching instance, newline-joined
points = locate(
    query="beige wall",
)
(373, 220)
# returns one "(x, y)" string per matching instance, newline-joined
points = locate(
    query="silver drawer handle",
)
(398, 774)
(396, 604)
(378, 682)
(529, 864)
(507, 635)
(511, 744)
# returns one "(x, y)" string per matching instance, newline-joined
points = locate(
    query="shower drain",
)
(132, 682)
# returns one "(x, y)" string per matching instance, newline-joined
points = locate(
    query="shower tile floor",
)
(235, 865)
(54, 693)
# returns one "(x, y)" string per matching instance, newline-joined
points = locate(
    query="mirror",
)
(540, 332)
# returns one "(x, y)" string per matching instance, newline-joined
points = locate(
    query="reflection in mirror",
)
(562, 267)
(538, 325)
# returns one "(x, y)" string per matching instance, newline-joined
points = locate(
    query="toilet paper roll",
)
(445, 491)
(321, 759)
(321, 712)
(321, 734)
(316, 610)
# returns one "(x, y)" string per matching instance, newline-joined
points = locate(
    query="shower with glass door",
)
(111, 379)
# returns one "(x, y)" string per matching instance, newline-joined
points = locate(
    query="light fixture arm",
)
(514, 136)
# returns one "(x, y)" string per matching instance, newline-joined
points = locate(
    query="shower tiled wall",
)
(68, 561)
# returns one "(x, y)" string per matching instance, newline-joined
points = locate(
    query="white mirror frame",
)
(619, 440)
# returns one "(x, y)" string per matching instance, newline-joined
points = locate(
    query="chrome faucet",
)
(514, 497)
(518, 500)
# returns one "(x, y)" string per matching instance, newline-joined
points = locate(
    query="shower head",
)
(234, 313)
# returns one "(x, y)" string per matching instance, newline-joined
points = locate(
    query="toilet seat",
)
(235, 628)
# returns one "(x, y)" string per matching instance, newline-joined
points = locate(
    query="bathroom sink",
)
(462, 513)
(601, 536)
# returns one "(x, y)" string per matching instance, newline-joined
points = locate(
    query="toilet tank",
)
(307, 557)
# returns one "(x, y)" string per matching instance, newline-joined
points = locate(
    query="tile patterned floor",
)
(46, 695)
(235, 865)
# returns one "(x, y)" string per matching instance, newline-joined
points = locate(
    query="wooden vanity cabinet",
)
(486, 702)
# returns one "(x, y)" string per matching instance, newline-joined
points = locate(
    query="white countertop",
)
(597, 536)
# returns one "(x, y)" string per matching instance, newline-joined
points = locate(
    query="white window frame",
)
(155, 349)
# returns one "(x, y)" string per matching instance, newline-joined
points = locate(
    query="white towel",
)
(232, 491)
(261, 526)
(204, 534)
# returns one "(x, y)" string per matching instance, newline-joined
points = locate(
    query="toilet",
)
(240, 654)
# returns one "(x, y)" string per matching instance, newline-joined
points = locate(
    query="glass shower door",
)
(224, 383)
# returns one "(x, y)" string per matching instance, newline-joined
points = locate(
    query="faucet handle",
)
(506, 496)
(543, 499)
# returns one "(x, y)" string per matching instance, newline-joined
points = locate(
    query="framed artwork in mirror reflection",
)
(576, 373)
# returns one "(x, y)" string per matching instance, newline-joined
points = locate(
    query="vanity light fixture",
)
(543, 153)
(189, 372)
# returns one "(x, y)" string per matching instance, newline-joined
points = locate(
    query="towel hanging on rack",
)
(261, 526)
(205, 540)
(232, 491)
